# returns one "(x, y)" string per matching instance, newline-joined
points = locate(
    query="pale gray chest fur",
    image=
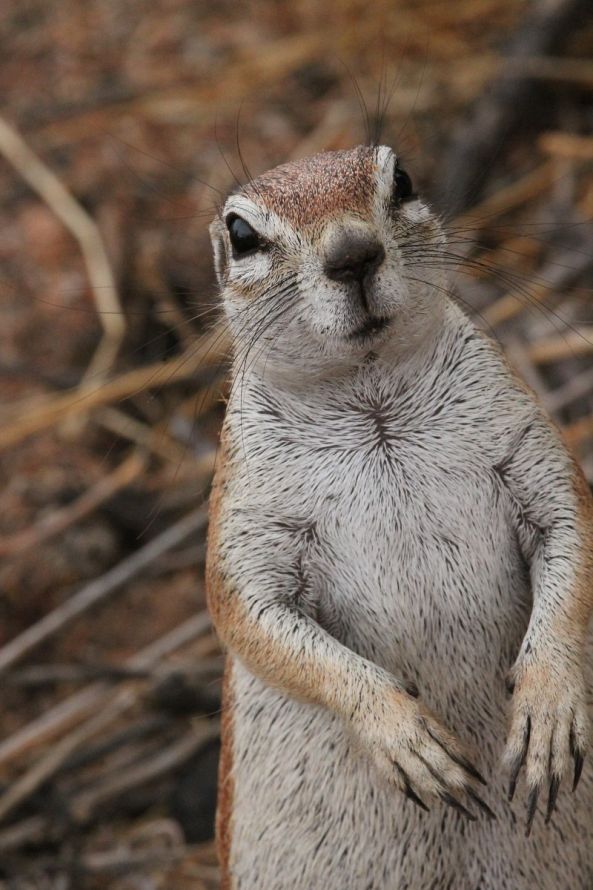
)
(376, 504)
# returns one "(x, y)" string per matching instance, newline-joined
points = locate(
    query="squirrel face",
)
(329, 258)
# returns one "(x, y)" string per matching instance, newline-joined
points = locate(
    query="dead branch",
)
(157, 441)
(58, 521)
(508, 198)
(501, 109)
(28, 783)
(52, 674)
(70, 711)
(84, 229)
(562, 269)
(568, 146)
(22, 421)
(575, 388)
(578, 341)
(98, 590)
(149, 770)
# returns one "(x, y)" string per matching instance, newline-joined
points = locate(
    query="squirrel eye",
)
(244, 238)
(403, 190)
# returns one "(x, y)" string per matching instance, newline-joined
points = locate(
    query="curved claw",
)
(578, 757)
(552, 795)
(453, 802)
(531, 808)
(516, 768)
(480, 803)
(408, 790)
(459, 759)
(579, 760)
(411, 795)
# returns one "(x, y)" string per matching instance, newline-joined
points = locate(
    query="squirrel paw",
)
(421, 758)
(549, 727)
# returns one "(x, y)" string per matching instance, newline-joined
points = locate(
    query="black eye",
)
(243, 237)
(403, 190)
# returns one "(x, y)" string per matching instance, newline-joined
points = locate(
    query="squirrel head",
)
(324, 260)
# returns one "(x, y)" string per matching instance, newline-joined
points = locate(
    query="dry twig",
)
(78, 222)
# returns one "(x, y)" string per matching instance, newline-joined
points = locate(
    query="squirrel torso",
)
(375, 503)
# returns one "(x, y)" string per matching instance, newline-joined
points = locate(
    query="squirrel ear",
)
(219, 251)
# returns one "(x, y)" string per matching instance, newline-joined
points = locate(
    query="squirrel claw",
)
(578, 757)
(531, 808)
(518, 763)
(459, 759)
(408, 790)
(552, 795)
(411, 795)
(480, 803)
(456, 805)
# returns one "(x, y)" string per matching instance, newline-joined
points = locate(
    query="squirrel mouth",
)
(372, 326)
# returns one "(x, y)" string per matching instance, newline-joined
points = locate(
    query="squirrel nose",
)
(353, 256)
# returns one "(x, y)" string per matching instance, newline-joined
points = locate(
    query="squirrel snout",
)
(353, 256)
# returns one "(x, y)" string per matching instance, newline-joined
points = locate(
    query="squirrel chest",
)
(375, 505)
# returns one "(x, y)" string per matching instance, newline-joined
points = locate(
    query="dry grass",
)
(128, 117)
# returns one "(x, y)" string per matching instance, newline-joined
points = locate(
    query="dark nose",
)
(353, 256)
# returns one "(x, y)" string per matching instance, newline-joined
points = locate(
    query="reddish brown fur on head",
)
(313, 228)
(305, 191)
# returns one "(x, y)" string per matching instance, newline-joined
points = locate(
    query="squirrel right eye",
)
(244, 238)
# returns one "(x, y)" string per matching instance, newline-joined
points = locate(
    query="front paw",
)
(549, 725)
(419, 756)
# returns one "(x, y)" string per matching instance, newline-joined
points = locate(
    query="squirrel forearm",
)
(290, 651)
(562, 577)
(555, 497)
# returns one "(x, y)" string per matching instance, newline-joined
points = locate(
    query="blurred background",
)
(122, 126)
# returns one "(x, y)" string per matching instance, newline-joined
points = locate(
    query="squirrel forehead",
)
(305, 191)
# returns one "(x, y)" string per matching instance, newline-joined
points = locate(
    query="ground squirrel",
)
(400, 561)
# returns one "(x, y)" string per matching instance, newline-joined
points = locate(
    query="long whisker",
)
(283, 298)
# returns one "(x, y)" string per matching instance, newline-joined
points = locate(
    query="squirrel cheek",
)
(251, 270)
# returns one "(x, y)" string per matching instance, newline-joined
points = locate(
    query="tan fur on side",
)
(224, 810)
(216, 593)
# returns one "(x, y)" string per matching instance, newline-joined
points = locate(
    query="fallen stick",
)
(508, 198)
(85, 230)
(148, 770)
(99, 589)
(41, 771)
(557, 69)
(571, 391)
(502, 108)
(58, 521)
(27, 831)
(568, 146)
(51, 674)
(578, 431)
(157, 441)
(124, 859)
(37, 415)
(577, 341)
(73, 709)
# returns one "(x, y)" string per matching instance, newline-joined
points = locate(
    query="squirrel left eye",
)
(403, 190)
(244, 238)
